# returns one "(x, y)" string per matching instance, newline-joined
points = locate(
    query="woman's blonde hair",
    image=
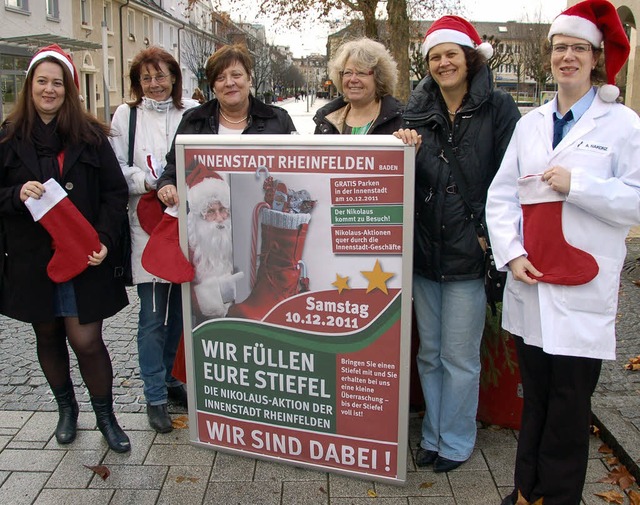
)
(366, 54)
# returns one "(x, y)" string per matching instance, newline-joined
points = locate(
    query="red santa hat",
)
(456, 30)
(56, 51)
(597, 22)
(206, 186)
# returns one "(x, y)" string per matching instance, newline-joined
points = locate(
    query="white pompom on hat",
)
(597, 22)
(55, 51)
(457, 30)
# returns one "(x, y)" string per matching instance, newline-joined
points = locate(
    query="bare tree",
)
(535, 57)
(500, 54)
(398, 12)
(263, 69)
(195, 49)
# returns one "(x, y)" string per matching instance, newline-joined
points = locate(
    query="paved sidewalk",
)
(168, 469)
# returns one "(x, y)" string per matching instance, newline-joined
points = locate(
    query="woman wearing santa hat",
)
(454, 112)
(157, 108)
(62, 203)
(558, 211)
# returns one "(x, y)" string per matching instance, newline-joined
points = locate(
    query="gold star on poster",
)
(341, 283)
(377, 278)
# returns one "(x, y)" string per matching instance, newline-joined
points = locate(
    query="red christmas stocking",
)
(547, 249)
(74, 239)
(149, 211)
(162, 256)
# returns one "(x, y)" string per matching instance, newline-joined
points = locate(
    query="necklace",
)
(231, 121)
(453, 113)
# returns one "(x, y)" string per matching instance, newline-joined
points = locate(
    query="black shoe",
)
(178, 395)
(441, 465)
(159, 418)
(68, 410)
(108, 425)
(425, 457)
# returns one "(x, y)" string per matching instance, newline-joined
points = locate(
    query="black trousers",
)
(553, 446)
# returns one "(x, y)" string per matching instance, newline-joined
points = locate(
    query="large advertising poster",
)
(298, 318)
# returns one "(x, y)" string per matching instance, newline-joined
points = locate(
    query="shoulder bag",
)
(125, 233)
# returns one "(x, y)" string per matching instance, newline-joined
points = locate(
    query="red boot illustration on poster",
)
(284, 219)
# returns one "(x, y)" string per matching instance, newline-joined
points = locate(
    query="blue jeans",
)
(450, 318)
(159, 330)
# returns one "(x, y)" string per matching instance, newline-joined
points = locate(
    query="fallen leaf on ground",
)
(611, 497)
(632, 366)
(100, 470)
(619, 475)
(634, 497)
(426, 485)
(595, 430)
(371, 493)
(322, 490)
(181, 478)
(612, 461)
(180, 422)
(605, 449)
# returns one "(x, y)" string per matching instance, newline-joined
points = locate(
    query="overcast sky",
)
(314, 37)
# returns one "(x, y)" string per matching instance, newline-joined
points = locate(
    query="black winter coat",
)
(388, 121)
(446, 246)
(263, 119)
(95, 185)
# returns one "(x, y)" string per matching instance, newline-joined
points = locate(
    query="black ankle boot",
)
(66, 429)
(108, 425)
(159, 418)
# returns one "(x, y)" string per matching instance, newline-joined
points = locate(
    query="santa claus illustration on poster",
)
(280, 221)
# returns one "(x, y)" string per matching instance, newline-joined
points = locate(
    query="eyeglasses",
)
(576, 48)
(160, 78)
(348, 74)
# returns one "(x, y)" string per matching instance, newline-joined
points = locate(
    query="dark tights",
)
(86, 342)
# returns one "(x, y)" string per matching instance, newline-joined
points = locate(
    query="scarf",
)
(48, 145)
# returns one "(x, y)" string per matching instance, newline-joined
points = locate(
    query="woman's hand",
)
(95, 258)
(409, 137)
(31, 189)
(168, 195)
(520, 266)
(558, 178)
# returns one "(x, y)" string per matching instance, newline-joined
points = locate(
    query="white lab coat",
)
(602, 152)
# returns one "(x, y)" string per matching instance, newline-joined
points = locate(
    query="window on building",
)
(146, 35)
(112, 74)
(131, 23)
(22, 5)
(161, 34)
(53, 10)
(85, 12)
(171, 36)
(107, 17)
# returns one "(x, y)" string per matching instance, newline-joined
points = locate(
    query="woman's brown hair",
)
(152, 57)
(224, 58)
